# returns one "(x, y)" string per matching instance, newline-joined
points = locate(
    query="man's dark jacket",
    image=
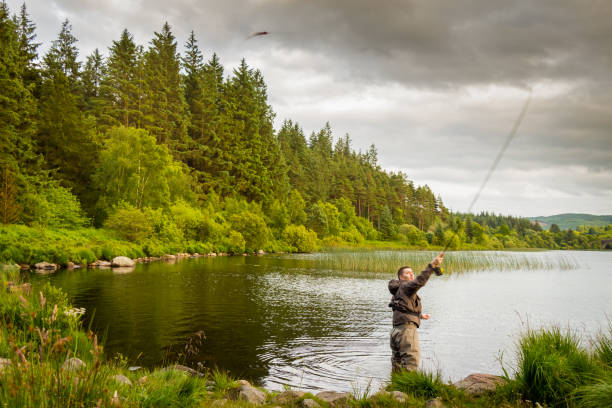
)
(406, 304)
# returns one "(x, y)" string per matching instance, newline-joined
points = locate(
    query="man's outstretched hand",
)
(438, 260)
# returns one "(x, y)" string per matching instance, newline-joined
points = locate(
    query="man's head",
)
(405, 273)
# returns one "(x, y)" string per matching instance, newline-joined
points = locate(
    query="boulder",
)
(24, 267)
(142, 380)
(309, 403)
(287, 397)
(70, 265)
(45, 266)
(73, 364)
(434, 403)
(249, 394)
(260, 252)
(479, 383)
(243, 382)
(399, 396)
(122, 379)
(100, 264)
(122, 261)
(333, 398)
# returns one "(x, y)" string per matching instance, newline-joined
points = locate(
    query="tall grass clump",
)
(454, 262)
(603, 347)
(419, 384)
(552, 365)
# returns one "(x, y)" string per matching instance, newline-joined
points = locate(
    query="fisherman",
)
(406, 305)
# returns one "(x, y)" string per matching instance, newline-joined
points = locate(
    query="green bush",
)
(131, 223)
(414, 236)
(12, 254)
(300, 238)
(253, 229)
(352, 236)
(235, 243)
(84, 256)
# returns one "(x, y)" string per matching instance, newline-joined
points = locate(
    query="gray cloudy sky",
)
(436, 85)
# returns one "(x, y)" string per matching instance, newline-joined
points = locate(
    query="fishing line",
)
(509, 138)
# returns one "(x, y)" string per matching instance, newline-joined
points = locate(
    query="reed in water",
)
(454, 262)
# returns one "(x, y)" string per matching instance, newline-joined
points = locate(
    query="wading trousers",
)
(405, 351)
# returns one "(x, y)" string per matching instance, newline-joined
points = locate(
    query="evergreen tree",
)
(92, 76)
(66, 137)
(120, 84)
(165, 113)
(62, 57)
(28, 53)
(17, 107)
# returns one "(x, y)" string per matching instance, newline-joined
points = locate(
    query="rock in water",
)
(122, 261)
(46, 266)
(480, 383)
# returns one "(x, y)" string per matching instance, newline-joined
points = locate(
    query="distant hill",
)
(565, 221)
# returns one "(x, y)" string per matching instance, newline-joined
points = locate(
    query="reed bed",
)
(454, 262)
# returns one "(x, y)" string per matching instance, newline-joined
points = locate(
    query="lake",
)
(276, 321)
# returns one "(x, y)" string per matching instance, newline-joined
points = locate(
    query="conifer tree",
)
(27, 47)
(165, 113)
(92, 76)
(16, 104)
(120, 84)
(65, 136)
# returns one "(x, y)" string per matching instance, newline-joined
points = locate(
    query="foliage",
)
(252, 227)
(551, 365)
(51, 205)
(131, 223)
(417, 383)
(235, 243)
(300, 238)
(136, 170)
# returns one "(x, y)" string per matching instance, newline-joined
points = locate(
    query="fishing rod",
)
(513, 131)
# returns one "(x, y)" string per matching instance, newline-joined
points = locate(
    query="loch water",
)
(277, 321)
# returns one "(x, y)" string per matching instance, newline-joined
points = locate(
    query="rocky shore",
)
(242, 391)
(125, 262)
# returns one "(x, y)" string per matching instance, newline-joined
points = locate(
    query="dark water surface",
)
(274, 321)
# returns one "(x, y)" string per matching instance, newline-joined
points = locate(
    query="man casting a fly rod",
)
(406, 305)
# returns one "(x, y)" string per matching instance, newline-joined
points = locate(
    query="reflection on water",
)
(274, 321)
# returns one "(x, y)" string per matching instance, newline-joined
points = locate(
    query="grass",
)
(27, 245)
(555, 369)
(417, 383)
(454, 262)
